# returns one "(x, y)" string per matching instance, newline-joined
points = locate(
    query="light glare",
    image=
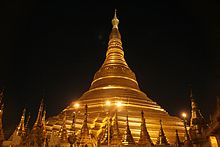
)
(76, 105)
(118, 104)
(108, 103)
(184, 115)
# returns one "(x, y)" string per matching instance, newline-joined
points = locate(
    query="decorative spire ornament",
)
(197, 121)
(85, 138)
(116, 136)
(115, 20)
(21, 126)
(162, 140)
(144, 139)
(127, 137)
(38, 121)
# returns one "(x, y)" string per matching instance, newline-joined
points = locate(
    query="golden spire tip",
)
(115, 20)
(115, 16)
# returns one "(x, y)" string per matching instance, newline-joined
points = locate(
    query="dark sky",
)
(54, 48)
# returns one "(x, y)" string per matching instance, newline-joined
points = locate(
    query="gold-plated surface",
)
(116, 82)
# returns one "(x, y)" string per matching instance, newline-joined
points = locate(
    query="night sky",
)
(54, 48)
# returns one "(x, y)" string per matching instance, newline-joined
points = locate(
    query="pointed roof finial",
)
(161, 140)
(85, 129)
(27, 121)
(115, 20)
(116, 136)
(21, 126)
(144, 139)
(115, 13)
(40, 114)
(127, 137)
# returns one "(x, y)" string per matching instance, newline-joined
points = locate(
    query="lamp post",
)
(189, 143)
(184, 123)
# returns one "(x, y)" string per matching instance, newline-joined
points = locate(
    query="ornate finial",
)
(44, 118)
(40, 113)
(116, 136)
(85, 137)
(27, 122)
(20, 129)
(144, 139)
(85, 129)
(115, 16)
(162, 140)
(197, 121)
(21, 126)
(115, 20)
(127, 138)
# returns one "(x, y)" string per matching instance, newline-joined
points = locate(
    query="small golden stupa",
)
(114, 90)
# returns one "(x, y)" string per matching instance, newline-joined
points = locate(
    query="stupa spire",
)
(114, 71)
(116, 136)
(44, 133)
(162, 140)
(115, 20)
(197, 121)
(39, 115)
(27, 123)
(128, 138)
(85, 136)
(106, 132)
(21, 126)
(145, 139)
(85, 129)
(115, 54)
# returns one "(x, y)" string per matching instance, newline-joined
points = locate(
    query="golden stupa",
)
(115, 88)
